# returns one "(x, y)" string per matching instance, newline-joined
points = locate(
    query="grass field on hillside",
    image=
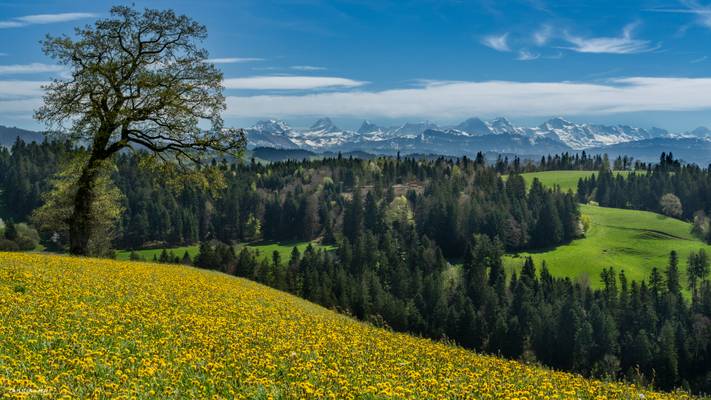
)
(625, 239)
(567, 180)
(91, 328)
(265, 250)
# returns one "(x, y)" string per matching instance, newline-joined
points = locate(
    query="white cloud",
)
(489, 98)
(525, 55)
(40, 19)
(19, 99)
(232, 60)
(12, 89)
(624, 44)
(497, 42)
(33, 68)
(698, 60)
(289, 82)
(307, 68)
(543, 35)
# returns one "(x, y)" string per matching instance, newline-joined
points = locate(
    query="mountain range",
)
(474, 134)
(466, 138)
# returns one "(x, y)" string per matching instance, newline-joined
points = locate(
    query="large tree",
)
(137, 80)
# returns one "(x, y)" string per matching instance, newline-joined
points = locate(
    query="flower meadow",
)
(91, 328)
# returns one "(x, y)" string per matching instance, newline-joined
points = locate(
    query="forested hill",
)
(447, 200)
(8, 136)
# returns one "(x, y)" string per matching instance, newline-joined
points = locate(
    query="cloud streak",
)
(497, 42)
(290, 82)
(232, 60)
(525, 55)
(41, 19)
(624, 44)
(702, 13)
(488, 98)
(306, 68)
(33, 68)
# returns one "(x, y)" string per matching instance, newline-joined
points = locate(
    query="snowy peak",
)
(557, 123)
(270, 133)
(368, 127)
(474, 126)
(702, 132)
(324, 125)
(501, 125)
(272, 127)
(414, 129)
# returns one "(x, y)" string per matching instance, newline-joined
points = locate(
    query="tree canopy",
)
(137, 80)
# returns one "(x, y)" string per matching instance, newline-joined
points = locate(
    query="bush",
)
(8, 245)
(671, 205)
(25, 243)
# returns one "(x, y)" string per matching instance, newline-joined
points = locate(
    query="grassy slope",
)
(78, 328)
(265, 250)
(625, 239)
(565, 179)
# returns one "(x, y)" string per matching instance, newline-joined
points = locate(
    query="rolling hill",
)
(79, 327)
(631, 240)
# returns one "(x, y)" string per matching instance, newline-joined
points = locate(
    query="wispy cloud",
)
(33, 68)
(542, 35)
(497, 42)
(40, 19)
(290, 82)
(698, 60)
(702, 12)
(306, 68)
(233, 60)
(489, 98)
(525, 55)
(624, 44)
(12, 89)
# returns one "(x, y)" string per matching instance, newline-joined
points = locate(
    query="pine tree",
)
(10, 230)
(186, 259)
(673, 281)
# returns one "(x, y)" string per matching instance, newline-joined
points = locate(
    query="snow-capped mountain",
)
(270, 133)
(474, 127)
(468, 137)
(582, 136)
(323, 134)
(701, 132)
(410, 129)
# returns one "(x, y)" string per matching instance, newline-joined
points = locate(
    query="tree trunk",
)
(80, 226)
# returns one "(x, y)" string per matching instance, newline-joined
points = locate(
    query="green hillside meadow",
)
(265, 250)
(565, 179)
(631, 240)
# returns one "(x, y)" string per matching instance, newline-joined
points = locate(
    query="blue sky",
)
(645, 63)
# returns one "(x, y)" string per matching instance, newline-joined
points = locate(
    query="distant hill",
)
(8, 135)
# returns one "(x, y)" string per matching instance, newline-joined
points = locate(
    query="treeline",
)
(568, 161)
(644, 190)
(644, 332)
(448, 200)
